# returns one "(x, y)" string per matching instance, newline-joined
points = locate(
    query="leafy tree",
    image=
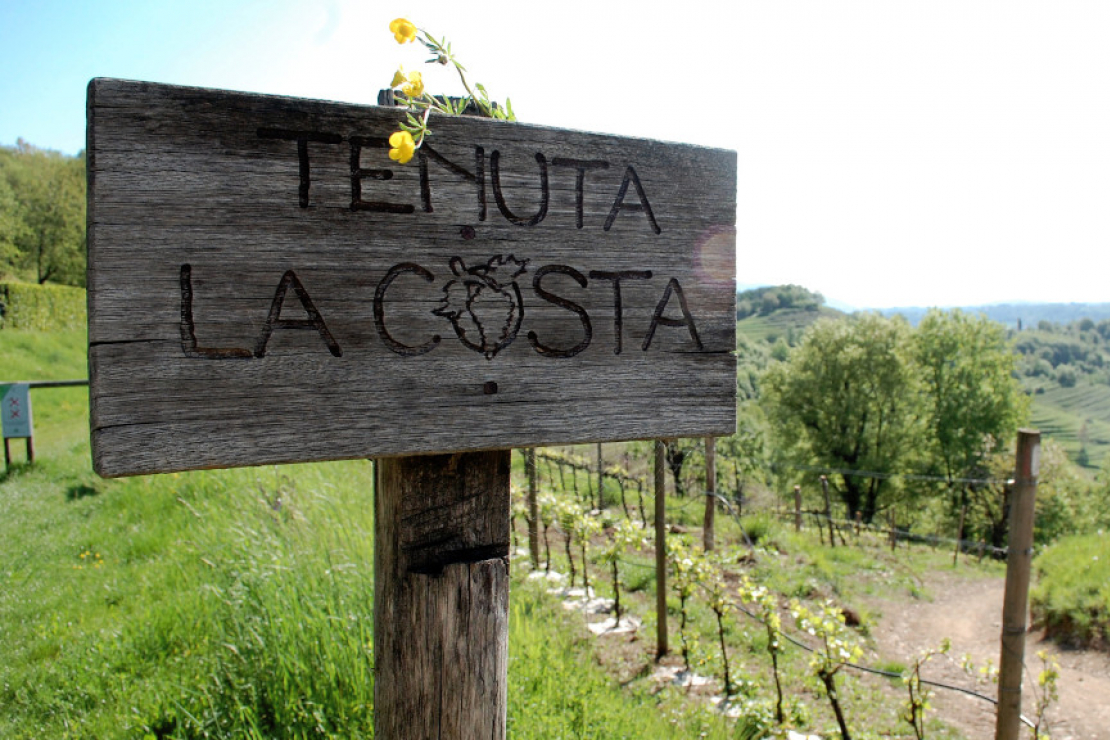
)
(771, 298)
(11, 228)
(848, 398)
(42, 236)
(743, 457)
(972, 398)
(974, 403)
(1066, 376)
(1066, 501)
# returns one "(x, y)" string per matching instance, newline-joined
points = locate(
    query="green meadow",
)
(228, 604)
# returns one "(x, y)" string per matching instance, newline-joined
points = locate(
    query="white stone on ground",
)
(610, 626)
(540, 575)
(679, 677)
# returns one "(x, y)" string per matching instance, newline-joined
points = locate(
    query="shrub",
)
(1072, 596)
(41, 307)
(1067, 376)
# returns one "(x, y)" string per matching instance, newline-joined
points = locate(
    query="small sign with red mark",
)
(15, 410)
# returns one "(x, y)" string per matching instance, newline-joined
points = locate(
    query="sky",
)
(890, 152)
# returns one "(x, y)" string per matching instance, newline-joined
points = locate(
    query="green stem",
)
(616, 594)
(724, 650)
(829, 679)
(481, 106)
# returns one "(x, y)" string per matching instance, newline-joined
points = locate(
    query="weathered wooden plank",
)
(257, 294)
(441, 596)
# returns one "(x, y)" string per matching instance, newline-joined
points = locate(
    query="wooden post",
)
(441, 596)
(708, 523)
(533, 507)
(1015, 604)
(959, 534)
(661, 647)
(828, 510)
(600, 479)
(8, 453)
(797, 508)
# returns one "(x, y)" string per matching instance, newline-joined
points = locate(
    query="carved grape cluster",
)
(484, 304)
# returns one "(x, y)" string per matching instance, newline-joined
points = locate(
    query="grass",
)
(1071, 598)
(1062, 413)
(230, 604)
(238, 604)
(781, 323)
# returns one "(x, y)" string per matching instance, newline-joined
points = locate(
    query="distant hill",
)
(1063, 356)
(779, 312)
(1028, 315)
(787, 324)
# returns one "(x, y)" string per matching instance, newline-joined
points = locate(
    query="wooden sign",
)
(267, 286)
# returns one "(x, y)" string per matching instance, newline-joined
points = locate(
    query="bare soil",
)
(968, 610)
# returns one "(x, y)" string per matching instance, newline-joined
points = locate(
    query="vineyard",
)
(768, 625)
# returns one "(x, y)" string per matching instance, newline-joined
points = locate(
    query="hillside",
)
(1020, 315)
(1064, 366)
(787, 324)
(1066, 369)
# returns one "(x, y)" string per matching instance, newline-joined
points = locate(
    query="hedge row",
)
(41, 307)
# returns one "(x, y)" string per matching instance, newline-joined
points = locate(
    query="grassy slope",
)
(781, 322)
(1072, 594)
(1061, 413)
(226, 603)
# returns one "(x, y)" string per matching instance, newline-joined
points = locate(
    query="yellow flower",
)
(403, 30)
(411, 83)
(403, 147)
(415, 86)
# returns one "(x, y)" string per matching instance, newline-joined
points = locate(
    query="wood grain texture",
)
(441, 597)
(266, 286)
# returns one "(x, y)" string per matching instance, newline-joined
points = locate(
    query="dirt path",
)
(968, 610)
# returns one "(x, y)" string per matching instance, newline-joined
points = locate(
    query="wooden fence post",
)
(709, 537)
(533, 507)
(959, 534)
(1015, 604)
(661, 647)
(797, 508)
(441, 596)
(600, 479)
(828, 510)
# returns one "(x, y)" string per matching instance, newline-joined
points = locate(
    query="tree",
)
(848, 399)
(11, 229)
(678, 453)
(974, 402)
(742, 458)
(49, 192)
